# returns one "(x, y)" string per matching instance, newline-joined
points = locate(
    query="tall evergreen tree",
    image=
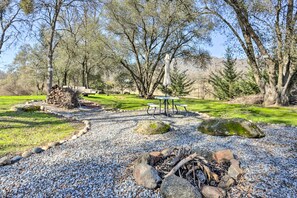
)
(225, 82)
(180, 84)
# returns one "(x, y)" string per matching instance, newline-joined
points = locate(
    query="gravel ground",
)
(94, 165)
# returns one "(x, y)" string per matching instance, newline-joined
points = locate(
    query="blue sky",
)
(216, 50)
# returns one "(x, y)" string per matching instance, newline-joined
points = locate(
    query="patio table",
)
(166, 100)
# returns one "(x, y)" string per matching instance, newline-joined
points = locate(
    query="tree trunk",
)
(83, 79)
(270, 96)
(87, 77)
(64, 83)
(50, 72)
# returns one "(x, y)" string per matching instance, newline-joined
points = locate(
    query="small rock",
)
(62, 141)
(80, 133)
(46, 147)
(145, 159)
(74, 137)
(234, 170)
(207, 154)
(226, 182)
(166, 152)
(83, 131)
(27, 154)
(53, 144)
(5, 161)
(155, 157)
(200, 175)
(145, 175)
(223, 155)
(16, 159)
(177, 187)
(42, 108)
(37, 150)
(213, 192)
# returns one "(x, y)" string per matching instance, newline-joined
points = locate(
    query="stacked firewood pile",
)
(63, 97)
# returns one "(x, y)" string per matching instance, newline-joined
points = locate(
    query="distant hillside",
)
(201, 88)
(216, 64)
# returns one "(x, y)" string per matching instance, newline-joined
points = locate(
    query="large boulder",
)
(228, 127)
(177, 187)
(26, 108)
(145, 175)
(152, 127)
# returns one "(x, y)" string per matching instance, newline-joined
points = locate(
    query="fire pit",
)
(182, 172)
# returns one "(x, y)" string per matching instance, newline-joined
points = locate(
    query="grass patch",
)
(256, 113)
(20, 131)
(127, 102)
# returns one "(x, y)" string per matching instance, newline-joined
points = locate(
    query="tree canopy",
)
(266, 31)
(74, 42)
(145, 31)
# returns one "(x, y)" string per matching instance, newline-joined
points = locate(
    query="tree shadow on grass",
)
(28, 119)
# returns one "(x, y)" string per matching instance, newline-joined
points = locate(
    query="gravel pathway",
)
(94, 164)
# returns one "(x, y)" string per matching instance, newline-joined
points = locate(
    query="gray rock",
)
(53, 144)
(145, 159)
(37, 150)
(62, 141)
(226, 182)
(177, 187)
(201, 176)
(28, 108)
(42, 108)
(74, 137)
(16, 159)
(206, 153)
(234, 170)
(145, 175)
(229, 127)
(45, 147)
(166, 152)
(27, 154)
(213, 192)
(79, 134)
(223, 155)
(5, 161)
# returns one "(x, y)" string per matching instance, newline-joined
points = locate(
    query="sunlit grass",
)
(20, 131)
(285, 115)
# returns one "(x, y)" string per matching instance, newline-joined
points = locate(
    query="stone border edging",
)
(6, 160)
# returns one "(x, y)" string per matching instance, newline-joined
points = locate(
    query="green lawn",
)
(286, 115)
(20, 131)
